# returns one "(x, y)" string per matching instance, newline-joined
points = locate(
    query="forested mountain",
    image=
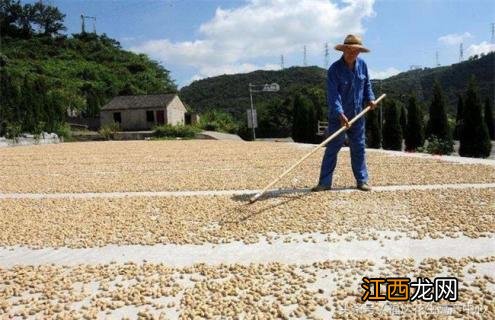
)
(453, 81)
(230, 92)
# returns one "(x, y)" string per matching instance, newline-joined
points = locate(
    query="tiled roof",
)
(139, 102)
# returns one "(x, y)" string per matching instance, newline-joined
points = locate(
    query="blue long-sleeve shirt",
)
(348, 90)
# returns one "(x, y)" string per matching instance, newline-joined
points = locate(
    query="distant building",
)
(144, 112)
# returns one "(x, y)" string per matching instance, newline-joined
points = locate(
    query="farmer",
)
(348, 90)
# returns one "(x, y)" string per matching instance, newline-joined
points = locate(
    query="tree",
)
(26, 18)
(414, 135)
(403, 119)
(458, 118)
(438, 125)
(474, 139)
(10, 13)
(49, 19)
(303, 130)
(488, 116)
(373, 134)
(392, 132)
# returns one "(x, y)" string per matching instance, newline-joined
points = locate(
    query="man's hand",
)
(344, 121)
(372, 104)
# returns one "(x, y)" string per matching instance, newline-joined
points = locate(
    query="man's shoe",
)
(364, 187)
(320, 188)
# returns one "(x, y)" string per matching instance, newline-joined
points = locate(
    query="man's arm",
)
(334, 100)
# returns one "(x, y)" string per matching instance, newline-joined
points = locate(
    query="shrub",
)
(108, 131)
(13, 131)
(439, 146)
(63, 130)
(177, 131)
(216, 120)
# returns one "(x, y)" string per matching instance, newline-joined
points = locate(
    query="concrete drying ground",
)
(163, 229)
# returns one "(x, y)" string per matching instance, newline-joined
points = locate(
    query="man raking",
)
(348, 90)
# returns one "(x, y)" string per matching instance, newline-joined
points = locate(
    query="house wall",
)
(176, 112)
(134, 120)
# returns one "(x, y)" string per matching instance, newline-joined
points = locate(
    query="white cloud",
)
(261, 29)
(483, 47)
(454, 38)
(232, 69)
(383, 74)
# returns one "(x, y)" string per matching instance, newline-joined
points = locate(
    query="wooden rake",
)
(324, 143)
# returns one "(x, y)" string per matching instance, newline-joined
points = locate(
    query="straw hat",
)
(352, 41)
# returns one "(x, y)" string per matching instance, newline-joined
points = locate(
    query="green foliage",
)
(438, 125)
(458, 118)
(63, 130)
(452, 79)
(108, 131)
(230, 92)
(474, 137)
(175, 131)
(13, 131)
(373, 134)
(438, 146)
(305, 120)
(403, 118)
(392, 132)
(44, 78)
(488, 116)
(414, 135)
(216, 120)
(20, 21)
(275, 119)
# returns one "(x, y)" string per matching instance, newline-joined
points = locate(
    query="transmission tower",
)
(493, 33)
(437, 60)
(305, 61)
(327, 55)
(83, 18)
(282, 62)
(461, 53)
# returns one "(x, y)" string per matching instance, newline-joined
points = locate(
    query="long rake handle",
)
(327, 140)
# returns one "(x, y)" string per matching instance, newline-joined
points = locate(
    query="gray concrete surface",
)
(188, 193)
(299, 252)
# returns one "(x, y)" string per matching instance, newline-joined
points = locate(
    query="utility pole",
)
(437, 60)
(274, 87)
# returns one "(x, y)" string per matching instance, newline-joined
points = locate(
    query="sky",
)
(196, 39)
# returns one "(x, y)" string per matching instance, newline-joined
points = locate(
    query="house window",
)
(117, 117)
(150, 116)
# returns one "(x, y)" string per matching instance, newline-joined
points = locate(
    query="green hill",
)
(230, 92)
(453, 80)
(44, 73)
